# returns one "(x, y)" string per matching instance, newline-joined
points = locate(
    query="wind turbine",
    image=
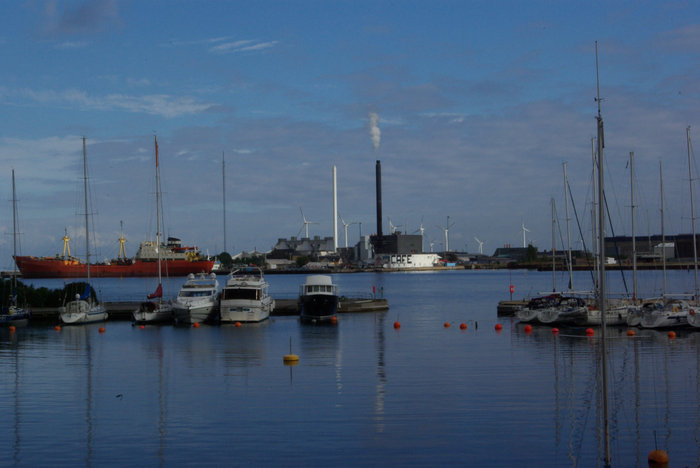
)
(524, 229)
(392, 227)
(421, 229)
(306, 223)
(481, 245)
(345, 226)
(447, 230)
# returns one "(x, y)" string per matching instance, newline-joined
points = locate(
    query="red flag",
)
(158, 293)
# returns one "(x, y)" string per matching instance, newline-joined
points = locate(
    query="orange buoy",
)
(397, 324)
(528, 328)
(57, 328)
(334, 319)
(446, 325)
(498, 327)
(238, 324)
(630, 332)
(589, 332)
(658, 458)
(555, 330)
(195, 325)
(462, 326)
(142, 327)
(672, 334)
(12, 328)
(102, 329)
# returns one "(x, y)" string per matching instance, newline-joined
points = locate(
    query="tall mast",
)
(223, 191)
(601, 261)
(692, 212)
(594, 211)
(554, 264)
(663, 232)
(14, 239)
(158, 246)
(87, 236)
(568, 235)
(634, 240)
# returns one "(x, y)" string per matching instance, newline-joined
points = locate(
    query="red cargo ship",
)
(176, 260)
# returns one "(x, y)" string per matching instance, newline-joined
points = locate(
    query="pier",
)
(283, 307)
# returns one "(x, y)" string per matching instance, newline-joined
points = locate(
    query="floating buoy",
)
(397, 324)
(630, 332)
(672, 334)
(57, 328)
(555, 330)
(237, 324)
(195, 325)
(102, 329)
(334, 319)
(446, 325)
(528, 328)
(142, 327)
(498, 327)
(290, 359)
(589, 332)
(12, 328)
(462, 326)
(658, 458)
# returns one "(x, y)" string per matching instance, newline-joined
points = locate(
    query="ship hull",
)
(37, 267)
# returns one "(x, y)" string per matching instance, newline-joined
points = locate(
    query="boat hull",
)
(190, 314)
(246, 311)
(318, 307)
(81, 312)
(51, 267)
(151, 312)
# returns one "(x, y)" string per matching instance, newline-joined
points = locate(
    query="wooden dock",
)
(283, 307)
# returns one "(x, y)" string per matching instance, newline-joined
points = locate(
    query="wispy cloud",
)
(246, 45)
(71, 45)
(155, 104)
(86, 17)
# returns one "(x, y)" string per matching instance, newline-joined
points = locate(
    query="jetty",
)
(283, 307)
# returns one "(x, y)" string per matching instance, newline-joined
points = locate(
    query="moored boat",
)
(669, 313)
(181, 261)
(245, 298)
(318, 299)
(197, 300)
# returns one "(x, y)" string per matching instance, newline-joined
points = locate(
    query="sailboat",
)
(667, 312)
(155, 311)
(85, 308)
(693, 315)
(13, 314)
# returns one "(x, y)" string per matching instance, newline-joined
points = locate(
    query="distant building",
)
(678, 246)
(303, 247)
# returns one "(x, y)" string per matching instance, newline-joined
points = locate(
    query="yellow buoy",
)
(290, 359)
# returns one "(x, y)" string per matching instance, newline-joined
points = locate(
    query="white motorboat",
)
(318, 299)
(245, 297)
(197, 300)
(86, 308)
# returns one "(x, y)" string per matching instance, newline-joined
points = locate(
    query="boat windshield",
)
(240, 293)
(322, 288)
(195, 293)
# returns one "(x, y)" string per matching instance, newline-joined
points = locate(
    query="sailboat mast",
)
(158, 246)
(601, 261)
(87, 229)
(692, 212)
(554, 247)
(663, 232)
(223, 191)
(14, 239)
(634, 240)
(568, 235)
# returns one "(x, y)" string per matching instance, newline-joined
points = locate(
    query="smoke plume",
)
(374, 131)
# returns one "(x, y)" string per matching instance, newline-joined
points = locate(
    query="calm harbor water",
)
(363, 392)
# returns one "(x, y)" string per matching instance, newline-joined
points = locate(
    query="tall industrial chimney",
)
(379, 200)
(335, 212)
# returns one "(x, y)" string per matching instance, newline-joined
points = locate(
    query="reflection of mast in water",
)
(557, 428)
(381, 373)
(17, 441)
(162, 408)
(88, 398)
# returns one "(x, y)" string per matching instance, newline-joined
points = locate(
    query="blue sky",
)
(479, 105)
